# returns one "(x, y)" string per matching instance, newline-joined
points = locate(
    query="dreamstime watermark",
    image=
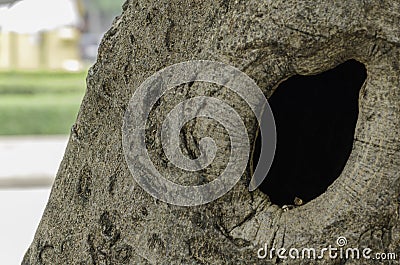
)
(153, 88)
(339, 251)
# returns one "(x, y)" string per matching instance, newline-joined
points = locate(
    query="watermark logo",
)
(340, 251)
(153, 88)
(341, 241)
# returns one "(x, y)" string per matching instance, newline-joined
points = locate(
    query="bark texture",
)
(96, 214)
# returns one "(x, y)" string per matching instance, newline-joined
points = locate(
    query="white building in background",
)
(40, 34)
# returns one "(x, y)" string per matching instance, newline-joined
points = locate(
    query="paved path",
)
(30, 161)
(21, 211)
(26, 163)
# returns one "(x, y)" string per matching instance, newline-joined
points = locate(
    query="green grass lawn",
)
(39, 103)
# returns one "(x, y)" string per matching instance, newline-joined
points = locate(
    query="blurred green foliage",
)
(39, 103)
(109, 6)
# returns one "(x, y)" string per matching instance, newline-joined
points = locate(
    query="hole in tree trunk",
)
(315, 120)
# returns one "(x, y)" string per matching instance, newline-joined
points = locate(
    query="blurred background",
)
(46, 47)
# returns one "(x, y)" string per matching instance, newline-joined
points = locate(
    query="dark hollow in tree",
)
(315, 120)
(269, 41)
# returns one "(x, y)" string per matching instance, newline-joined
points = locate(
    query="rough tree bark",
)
(96, 214)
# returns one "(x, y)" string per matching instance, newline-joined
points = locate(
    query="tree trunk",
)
(98, 214)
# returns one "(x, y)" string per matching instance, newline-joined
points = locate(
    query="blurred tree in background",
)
(101, 13)
(107, 6)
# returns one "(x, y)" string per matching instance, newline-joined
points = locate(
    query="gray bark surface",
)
(97, 214)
